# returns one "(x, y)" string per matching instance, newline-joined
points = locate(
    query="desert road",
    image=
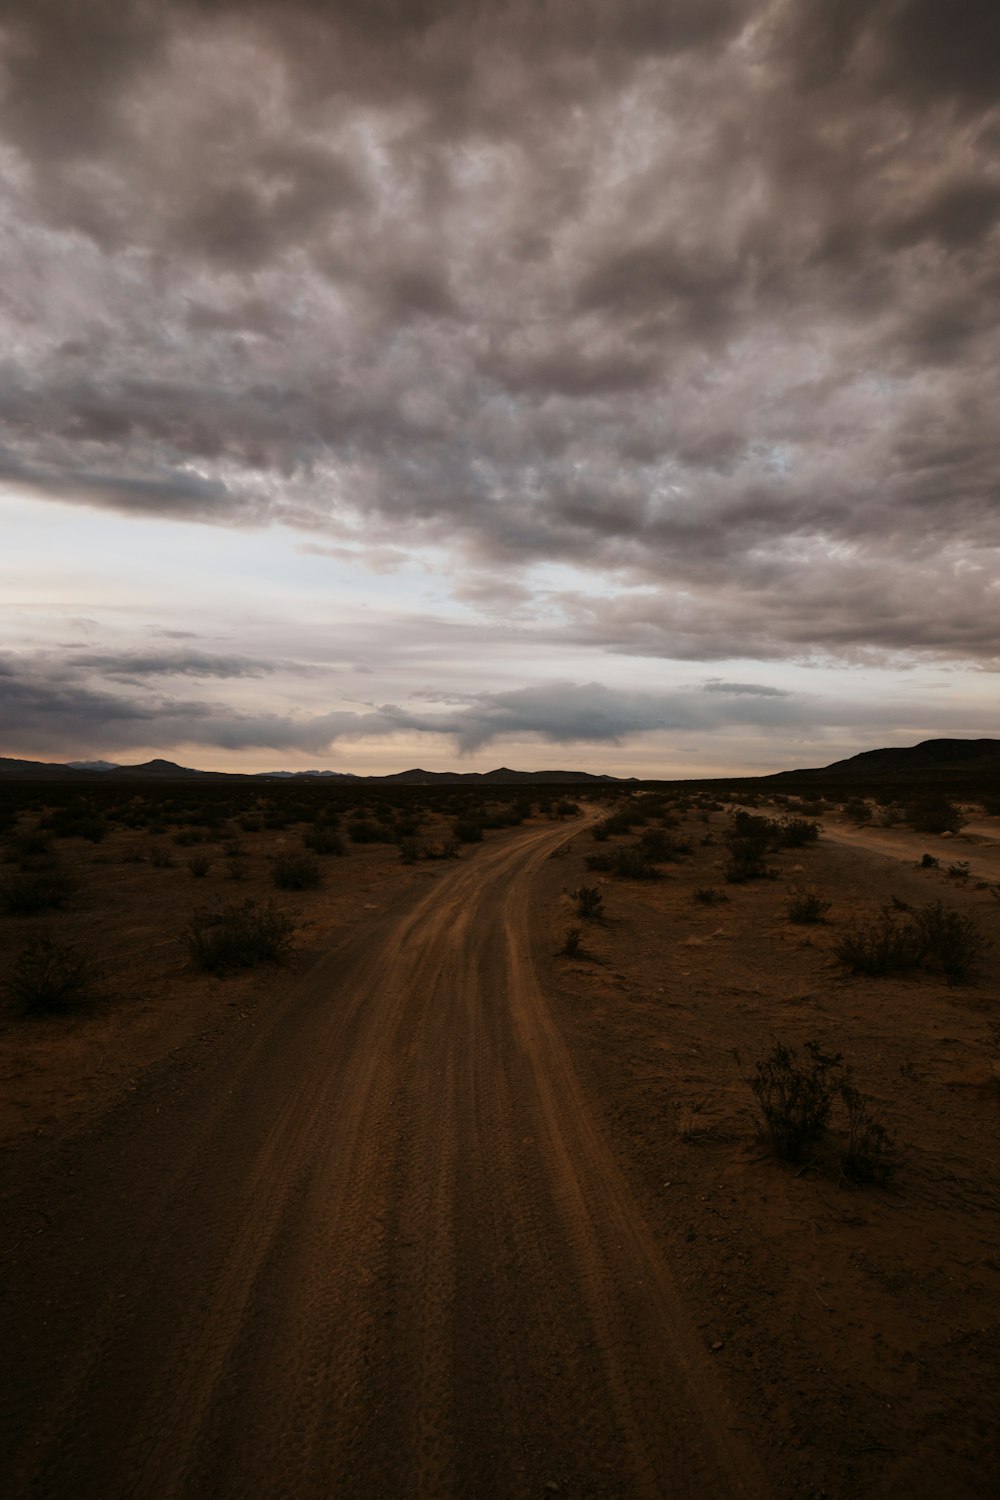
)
(374, 1246)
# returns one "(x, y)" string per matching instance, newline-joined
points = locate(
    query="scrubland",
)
(783, 1012)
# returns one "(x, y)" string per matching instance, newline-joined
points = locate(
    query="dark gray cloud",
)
(699, 295)
(134, 666)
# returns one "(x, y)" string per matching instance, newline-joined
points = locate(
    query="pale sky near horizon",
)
(607, 384)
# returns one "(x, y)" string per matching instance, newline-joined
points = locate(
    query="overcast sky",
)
(596, 383)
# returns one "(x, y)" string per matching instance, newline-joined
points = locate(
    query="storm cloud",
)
(696, 298)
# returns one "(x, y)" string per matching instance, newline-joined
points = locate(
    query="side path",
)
(377, 1249)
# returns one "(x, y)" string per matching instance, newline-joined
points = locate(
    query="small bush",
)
(161, 858)
(410, 850)
(807, 909)
(795, 1100)
(658, 847)
(571, 943)
(857, 810)
(589, 903)
(296, 872)
(934, 814)
(36, 891)
(29, 848)
(795, 833)
(238, 937)
(870, 1153)
(199, 865)
(885, 946)
(928, 862)
(627, 862)
(467, 832)
(50, 978)
(959, 870)
(186, 837)
(364, 831)
(323, 841)
(948, 937)
(709, 896)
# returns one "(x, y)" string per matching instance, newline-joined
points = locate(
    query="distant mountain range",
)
(931, 756)
(167, 770)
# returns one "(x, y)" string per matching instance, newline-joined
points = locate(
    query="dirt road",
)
(373, 1246)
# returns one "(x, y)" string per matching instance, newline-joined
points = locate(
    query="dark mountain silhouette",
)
(929, 755)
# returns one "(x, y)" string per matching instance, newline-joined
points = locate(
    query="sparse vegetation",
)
(589, 903)
(199, 865)
(51, 978)
(36, 891)
(572, 943)
(898, 940)
(870, 1154)
(795, 1098)
(807, 908)
(934, 813)
(708, 895)
(237, 937)
(296, 872)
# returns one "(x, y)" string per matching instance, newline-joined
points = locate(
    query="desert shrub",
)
(35, 891)
(160, 858)
(598, 862)
(933, 813)
(627, 863)
(949, 938)
(50, 978)
(794, 833)
(323, 841)
(748, 838)
(296, 872)
(884, 946)
(795, 1099)
(29, 848)
(236, 937)
(467, 831)
(959, 870)
(233, 849)
(566, 808)
(857, 810)
(599, 831)
(571, 943)
(928, 862)
(621, 822)
(746, 863)
(807, 908)
(410, 850)
(365, 831)
(658, 847)
(184, 838)
(589, 902)
(199, 865)
(870, 1154)
(251, 823)
(709, 896)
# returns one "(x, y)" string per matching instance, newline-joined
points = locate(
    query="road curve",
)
(376, 1246)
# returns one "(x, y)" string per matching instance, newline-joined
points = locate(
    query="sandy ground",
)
(436, 1212)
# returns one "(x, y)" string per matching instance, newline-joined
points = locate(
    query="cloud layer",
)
(698, 297)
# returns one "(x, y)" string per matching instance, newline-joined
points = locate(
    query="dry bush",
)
(237, 937)
(51, 978)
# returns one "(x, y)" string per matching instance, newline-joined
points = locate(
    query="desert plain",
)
(469, 1194)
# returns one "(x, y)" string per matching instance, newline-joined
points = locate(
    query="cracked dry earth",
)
(377, 1240)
